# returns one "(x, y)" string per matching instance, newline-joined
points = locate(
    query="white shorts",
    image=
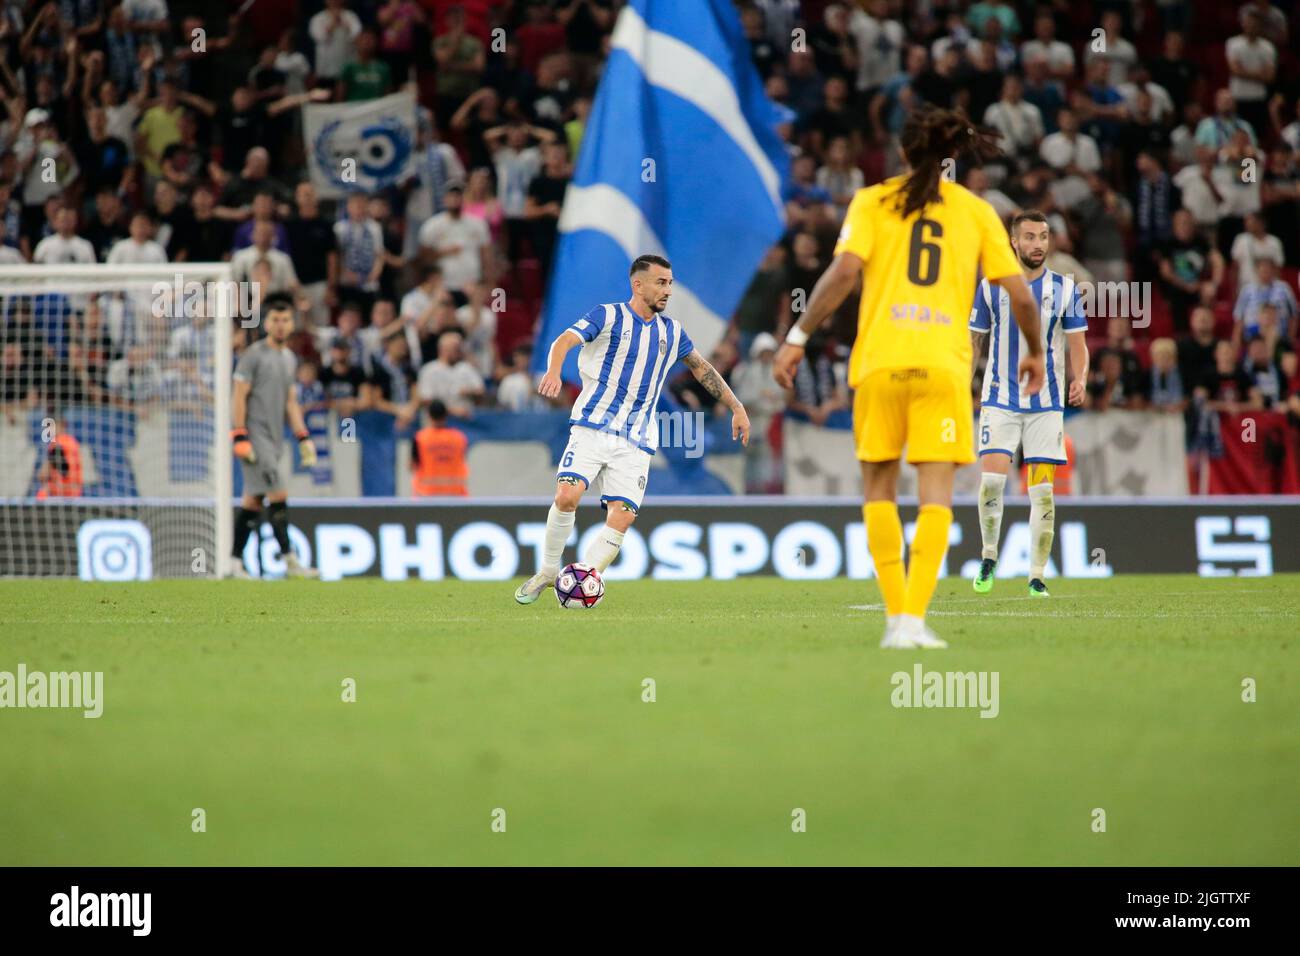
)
(621, 467)
(1042, 433)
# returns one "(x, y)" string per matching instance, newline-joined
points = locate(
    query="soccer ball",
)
(579, 586)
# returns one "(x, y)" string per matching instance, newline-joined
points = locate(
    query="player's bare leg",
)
(1042, 523)
(604, 547)
(559, 525)
(995, 466)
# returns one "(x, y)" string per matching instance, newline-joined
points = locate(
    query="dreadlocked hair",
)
(930, 136)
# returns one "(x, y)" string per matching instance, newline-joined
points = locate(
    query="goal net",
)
(115, 457)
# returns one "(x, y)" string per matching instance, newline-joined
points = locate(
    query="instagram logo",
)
(114, 550)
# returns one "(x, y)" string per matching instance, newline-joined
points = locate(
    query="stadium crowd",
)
(1162, 138)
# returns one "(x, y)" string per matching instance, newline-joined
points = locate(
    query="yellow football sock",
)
(885, 542)
(929, 545)
(1041, 473)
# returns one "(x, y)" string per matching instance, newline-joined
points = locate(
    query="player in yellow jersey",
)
(919, 242)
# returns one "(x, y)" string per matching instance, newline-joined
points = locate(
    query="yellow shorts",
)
(928, 410)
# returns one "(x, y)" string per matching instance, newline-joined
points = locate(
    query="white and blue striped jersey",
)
(1060, 311)
(623, 363)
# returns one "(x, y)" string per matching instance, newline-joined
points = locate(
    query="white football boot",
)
(911, 633)
(532, 589)
(293, 569)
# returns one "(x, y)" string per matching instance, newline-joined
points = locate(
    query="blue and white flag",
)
(680, 158)
(367, 145)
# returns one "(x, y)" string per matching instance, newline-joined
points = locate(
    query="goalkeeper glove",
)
(306, 450)
(243, 447)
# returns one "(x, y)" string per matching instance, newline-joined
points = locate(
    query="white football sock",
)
(909, 623)
(559, 525)
(604, 548)
(1042, 528)
(990, 503)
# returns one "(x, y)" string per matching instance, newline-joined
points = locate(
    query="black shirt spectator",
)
(241, 123)
(1264, 373)
(1184, 261)
(310, 243)
(102, 162)
(1172, 71)
(1196, 355)
(583, 30)
(341, 379)
(106, 225)
(176, 232)
(1231, 386)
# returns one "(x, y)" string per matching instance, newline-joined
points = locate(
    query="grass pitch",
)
(1123, 695)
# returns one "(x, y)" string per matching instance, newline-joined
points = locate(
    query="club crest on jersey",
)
(663, 346)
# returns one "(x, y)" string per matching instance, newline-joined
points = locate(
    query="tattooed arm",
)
(715, 385)
(977, 340)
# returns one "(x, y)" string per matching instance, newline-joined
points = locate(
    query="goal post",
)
(115, 380)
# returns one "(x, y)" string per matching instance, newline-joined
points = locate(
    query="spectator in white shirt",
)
(1162, 104)
(517, 163)
(1252, 67)
(1070, 151)
(40, 152)
(1253, 245)
(1020, 122)
(139, 248)
(334, 31)
(417, 303)
(1119, 55)
(279, 274)
(149, 20)
(383, 316)
(450, 377)
(294, 65)
(64, 246)
(1059, 56)
(840, 177)
(459, 244)
(517, 391)
(479, 323)
(1200, 193)
(879, 41)
(1182, 139)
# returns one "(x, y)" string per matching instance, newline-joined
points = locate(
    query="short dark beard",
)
(1030, 265)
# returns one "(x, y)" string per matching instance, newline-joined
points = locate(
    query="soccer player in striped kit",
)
(1012, 416)
(628, 349)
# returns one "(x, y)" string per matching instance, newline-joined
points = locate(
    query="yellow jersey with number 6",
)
(919, 276)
